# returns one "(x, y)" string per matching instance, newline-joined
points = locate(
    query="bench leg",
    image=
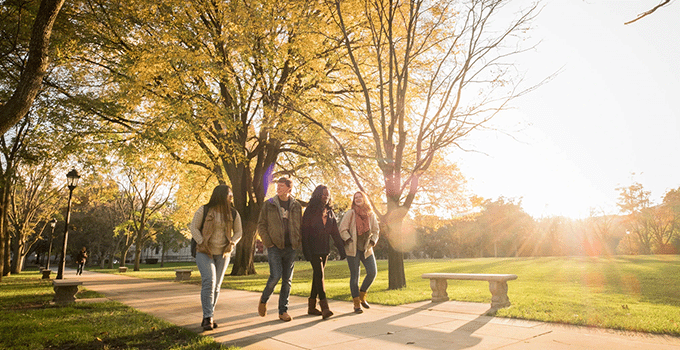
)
(499, 294)
(181, 276)
(438, 286)
(65, 295)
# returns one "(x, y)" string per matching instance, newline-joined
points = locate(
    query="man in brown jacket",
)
(279, 228)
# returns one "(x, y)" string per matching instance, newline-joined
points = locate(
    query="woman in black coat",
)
(318, 225)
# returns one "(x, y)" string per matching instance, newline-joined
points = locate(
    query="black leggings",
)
(318, 264)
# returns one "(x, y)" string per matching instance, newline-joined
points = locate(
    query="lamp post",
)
(53, 224)
(72, 178)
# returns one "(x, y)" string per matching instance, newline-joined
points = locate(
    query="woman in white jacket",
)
(359, 229)
(216, 227)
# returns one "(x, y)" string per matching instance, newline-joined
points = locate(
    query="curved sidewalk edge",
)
(425, 325)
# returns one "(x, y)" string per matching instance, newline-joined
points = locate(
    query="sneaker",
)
(262, 309)
(285, 317)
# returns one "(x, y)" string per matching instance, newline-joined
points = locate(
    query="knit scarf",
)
(362, 220)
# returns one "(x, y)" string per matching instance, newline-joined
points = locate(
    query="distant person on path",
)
(359, 229)
(216, 227)
(318, 225)
(279, 228)
(81, 259)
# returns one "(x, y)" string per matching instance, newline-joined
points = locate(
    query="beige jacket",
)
(233, 233)
(348, 229)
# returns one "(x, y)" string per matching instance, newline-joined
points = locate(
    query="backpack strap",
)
(205, 213)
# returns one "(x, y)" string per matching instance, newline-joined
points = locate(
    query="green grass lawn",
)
(30, 321)
(640, 293)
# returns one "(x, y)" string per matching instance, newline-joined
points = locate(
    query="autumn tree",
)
(24, 56)
(148, 182)
(101, 207)
(169, 238)
(634, 202)
(210, 82)
(428, 74)
(33, 202)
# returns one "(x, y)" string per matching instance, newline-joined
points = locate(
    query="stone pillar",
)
(438, 286)
(499, 294)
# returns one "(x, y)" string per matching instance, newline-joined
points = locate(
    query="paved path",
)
(450, 325)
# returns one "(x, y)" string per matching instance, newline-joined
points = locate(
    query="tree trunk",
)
(138, 253)
(6, 269)
(249, 209)
(243, 261)
(4, 235)
(395, 256)
(31, 77)
(18, 262)
(123, 256)
(162, 254)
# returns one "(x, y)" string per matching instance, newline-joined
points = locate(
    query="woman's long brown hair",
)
(221, 200)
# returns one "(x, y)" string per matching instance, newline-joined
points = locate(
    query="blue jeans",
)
(212, 270)
(281, 265)
(371, 272)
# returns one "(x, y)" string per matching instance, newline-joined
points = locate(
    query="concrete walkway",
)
(450, 325)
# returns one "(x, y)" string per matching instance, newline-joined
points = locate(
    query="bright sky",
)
(614, 110)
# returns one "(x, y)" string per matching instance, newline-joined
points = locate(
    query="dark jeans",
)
(318, 265)
(281, 265)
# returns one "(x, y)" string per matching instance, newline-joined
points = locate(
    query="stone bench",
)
(46, 274)
(122, 269)
(65, 291)
(182, 274)
(498, 285)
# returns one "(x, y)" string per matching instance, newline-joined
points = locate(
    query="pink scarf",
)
(363, 225)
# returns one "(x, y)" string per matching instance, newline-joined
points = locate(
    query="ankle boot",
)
(357, 305)
(325, 311)
(207, 323)
(362, 298)
(311, 307)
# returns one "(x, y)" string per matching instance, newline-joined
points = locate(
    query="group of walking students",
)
(216, 228)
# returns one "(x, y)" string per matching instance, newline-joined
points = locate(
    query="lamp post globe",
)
(72, 178)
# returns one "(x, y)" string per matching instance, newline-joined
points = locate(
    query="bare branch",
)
(644, 14)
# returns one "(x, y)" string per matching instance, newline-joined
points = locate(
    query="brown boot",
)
(362, 298)
(262, 309)
(325, 311)
(311, 307)
(206, 324)
(357, 305)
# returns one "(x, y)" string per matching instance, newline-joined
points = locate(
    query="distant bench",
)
(182, 274)
(65, 291)
(498, 285)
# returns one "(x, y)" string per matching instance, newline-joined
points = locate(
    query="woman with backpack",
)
(216, 228)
